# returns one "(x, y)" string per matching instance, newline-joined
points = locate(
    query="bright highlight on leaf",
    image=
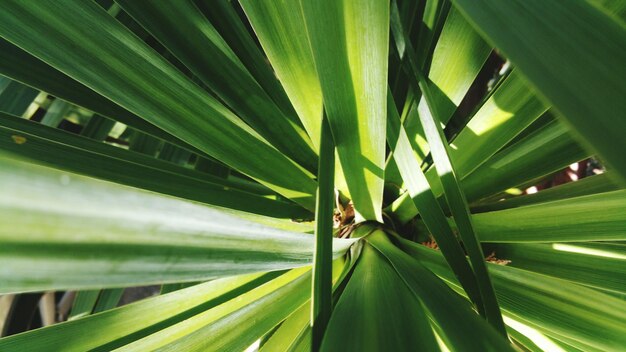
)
(349, 40)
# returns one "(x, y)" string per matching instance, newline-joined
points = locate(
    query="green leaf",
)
(294, 334)
(109, 299)
(144, 143)
(453, 318)
(616, 8)
(534, 340)
(279, 26)
(15, 97)
(186, 33)
(56, 113)
(120, 326)
(582, 317)
(596, 217)
(558, 308)
(458, 205)
(225, 16)
(377, 304)
(429, 31)
(508, 111)
(458, 56)
(579, 70)
(125, 237)
(291, 331)
(212, 167)
(23, 67)
(167, 288)
(586, 186)
(541, 153)
(98, 127)
(83, 304)
(158, 92)
(350, 41)
(174, 154)
(597, 265)
(51, 147)
(236, 324)
(321, 296)
(424, 200)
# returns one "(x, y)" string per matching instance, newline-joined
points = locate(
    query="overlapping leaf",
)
(63, 231)
(144, 83)
(350, 41)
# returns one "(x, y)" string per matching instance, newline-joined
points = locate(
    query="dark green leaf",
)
(579, 70)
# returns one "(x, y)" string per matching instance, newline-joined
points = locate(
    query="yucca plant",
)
(314, 175)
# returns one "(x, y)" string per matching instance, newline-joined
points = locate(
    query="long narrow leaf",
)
(23, 67)
(321, 296)
(376, 303)
(98, 127)
(225, 16)
(123, 325)
(457, 323)
(424, 200)
(458, 206)
(181, 27)
(236, 324)
(109, 298)
(587, 186)
(124, 237)
(539, 154)
(291, 331)
(585, 318)
(596, 217)
(580, 70)
(457, 59)
(350, 41)
(49, 146)
(295, 334)
(279, 26)
(84, 303)
(597, 265)
(509, 110)
(15, 97)
(158, 92)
